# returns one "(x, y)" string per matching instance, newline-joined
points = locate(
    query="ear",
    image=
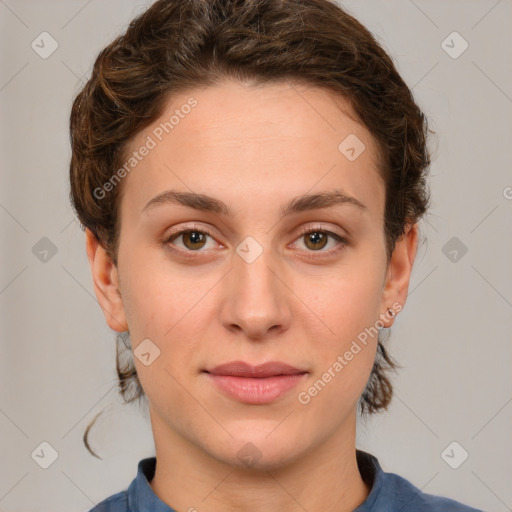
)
(398, 273)
(106, 283)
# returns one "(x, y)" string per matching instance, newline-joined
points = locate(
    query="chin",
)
(259, 452)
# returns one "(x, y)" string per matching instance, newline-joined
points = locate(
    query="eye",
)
(316, 239)
(192, 239)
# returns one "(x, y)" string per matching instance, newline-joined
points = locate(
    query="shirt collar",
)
(373, 476)
(141, 497)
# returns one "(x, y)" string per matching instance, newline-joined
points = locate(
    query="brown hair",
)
(178, 45)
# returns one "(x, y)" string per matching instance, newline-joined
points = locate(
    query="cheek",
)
(170, 308)
(347, 305)
(344, 364)
(163, 307)
(155, 298)
(349, 308)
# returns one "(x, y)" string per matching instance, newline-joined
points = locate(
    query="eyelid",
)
(193, 227)
(181, 230)
(342, 241)
(319, 227)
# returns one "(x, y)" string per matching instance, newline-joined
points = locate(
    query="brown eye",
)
(316, 240)
(194, 239)
(189, 240)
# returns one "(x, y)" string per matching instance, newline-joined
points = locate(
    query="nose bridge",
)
(257, 298)
(256, 278)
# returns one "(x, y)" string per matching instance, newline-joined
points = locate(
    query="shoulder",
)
(116, 503)
(392, 493)
(138, 495)
(406, 496)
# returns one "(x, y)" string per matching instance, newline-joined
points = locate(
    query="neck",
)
(325, 477)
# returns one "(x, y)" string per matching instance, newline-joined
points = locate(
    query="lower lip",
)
(256, 390)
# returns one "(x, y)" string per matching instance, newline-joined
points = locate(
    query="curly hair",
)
(175, 46)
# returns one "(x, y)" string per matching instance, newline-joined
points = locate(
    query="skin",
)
(255, 148)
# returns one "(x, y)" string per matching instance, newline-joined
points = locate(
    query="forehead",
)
(240, 142)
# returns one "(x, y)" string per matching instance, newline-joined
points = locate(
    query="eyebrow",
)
(296, 205)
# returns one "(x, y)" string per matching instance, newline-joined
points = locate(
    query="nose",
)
(256, 298)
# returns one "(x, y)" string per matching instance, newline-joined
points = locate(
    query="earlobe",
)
(105, 282)
(399, 271)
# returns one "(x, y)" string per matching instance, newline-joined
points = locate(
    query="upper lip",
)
(242, 369)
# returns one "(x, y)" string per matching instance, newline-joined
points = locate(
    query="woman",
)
(251, 175)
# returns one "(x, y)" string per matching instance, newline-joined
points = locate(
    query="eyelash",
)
(304, 231)
(342, 242)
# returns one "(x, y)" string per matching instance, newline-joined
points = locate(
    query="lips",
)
(256, 385)
(242, 369)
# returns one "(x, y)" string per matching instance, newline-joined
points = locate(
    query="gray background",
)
(452, 339)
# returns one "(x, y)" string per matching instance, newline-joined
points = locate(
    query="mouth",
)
(257, 385)
(242, 369)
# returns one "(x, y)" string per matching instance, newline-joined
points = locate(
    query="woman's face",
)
(247, 284)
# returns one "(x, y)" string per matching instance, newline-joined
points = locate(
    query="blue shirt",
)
(389, 493)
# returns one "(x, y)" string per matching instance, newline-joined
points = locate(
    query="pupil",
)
(316, 238)
(195, 237)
